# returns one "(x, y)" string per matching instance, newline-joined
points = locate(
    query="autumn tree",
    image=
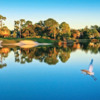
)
(4, 32)
(75, 33)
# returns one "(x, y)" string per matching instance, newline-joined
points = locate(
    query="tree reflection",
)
(64, 56)
(3, 54)
(47, 54)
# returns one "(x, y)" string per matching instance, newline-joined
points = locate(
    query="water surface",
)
(49, 73)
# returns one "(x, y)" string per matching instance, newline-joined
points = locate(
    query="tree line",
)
(49, 29)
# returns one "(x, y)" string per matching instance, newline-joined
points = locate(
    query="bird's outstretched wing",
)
(91, 66)
(91, 62)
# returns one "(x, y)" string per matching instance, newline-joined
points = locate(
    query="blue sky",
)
(77, 13)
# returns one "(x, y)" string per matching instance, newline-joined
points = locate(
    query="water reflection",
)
(0, 43)
(3, 54)
(1, 61)
(48, 54)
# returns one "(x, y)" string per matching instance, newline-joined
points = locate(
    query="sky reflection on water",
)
(56, 80)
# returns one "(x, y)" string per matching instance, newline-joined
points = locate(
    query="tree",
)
(51, 22)
(1, 20)
(86, 34)
(53, 31)
(52, 25)
(41, 23)
(4, 32)
(64, 28)
(22, 21)
(38, 29)
(14, 34)
(16, 28)
(75, 33)
(16, 25)
(95, 33)
(96, 27)
(28, 23)
(28, 29)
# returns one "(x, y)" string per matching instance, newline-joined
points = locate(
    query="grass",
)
(84, 40)
(40, 40)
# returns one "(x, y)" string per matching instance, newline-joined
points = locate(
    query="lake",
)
(49, 72)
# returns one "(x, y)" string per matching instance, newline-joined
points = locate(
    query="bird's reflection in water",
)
(89, 71)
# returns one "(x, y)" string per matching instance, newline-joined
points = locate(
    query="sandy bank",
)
(26, 44)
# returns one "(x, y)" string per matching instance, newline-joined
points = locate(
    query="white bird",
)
(89, 71)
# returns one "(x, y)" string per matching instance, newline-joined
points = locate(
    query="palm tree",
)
(22, 21)
(16, 24)
(19, 24)
(1, 19)
(16, 27)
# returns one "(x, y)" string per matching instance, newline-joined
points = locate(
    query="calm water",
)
(49, 73)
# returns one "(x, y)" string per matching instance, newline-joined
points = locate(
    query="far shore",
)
(22, 43)
(41, 41)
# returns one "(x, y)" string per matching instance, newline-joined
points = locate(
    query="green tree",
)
(16, 24)
(95, 33)
(28, 23)
(96, 27)
(52, 25)
(65, 28)
(51, 22)
(86, 33)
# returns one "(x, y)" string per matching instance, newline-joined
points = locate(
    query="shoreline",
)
(41, 41)
(23, 43)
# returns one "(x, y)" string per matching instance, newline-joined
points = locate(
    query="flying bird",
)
(90, 70)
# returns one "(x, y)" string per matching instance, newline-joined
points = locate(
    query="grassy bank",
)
(39, 40)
